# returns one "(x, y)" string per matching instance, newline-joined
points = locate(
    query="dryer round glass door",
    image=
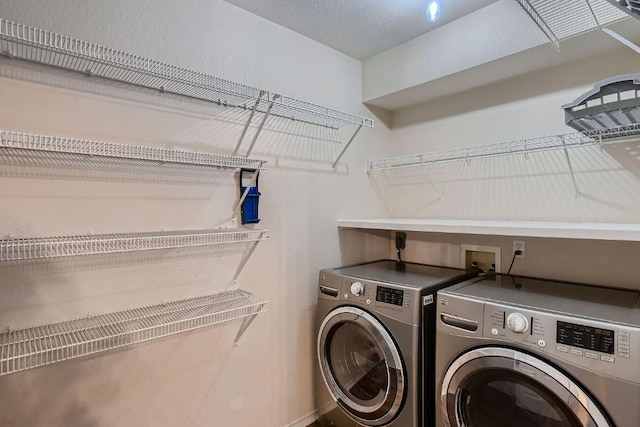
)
(493, 387)
(361, 366)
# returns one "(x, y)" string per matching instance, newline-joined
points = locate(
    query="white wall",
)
(491, 33)
(537, 188)
(198, 378)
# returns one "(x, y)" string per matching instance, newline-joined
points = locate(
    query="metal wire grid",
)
(52, 165)
(561, 20)
(44, 47)
(608, 119)
(524, 146)
(632, 7)
(316, 114)
(22, 249)
(107, 149)
(43, 345)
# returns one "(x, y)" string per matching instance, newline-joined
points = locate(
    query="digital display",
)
(587, 337)
(389, 296)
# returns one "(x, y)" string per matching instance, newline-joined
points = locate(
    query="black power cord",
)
(515, 254)
(401, 243)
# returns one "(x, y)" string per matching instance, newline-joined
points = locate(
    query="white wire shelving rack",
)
(47, 344)
(524, 147)
(44, 47)
(560, 21)
(62, 145)
(42, 248)
(37, 248)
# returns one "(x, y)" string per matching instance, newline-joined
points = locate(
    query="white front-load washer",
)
(515, 351)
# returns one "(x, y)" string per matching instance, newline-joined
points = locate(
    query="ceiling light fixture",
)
(433, 10)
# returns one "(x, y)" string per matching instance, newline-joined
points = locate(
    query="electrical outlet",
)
(519, 245)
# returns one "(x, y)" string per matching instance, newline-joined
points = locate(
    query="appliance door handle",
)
(329, 291)
(459, 322)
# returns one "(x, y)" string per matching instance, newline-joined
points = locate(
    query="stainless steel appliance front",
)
(373, 340)
(527, 352)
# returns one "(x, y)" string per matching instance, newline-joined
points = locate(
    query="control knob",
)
(357, 288)
(517, 323)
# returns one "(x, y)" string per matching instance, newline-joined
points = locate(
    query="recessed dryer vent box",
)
(611, 104)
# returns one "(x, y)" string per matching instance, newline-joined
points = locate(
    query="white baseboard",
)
(305, 420)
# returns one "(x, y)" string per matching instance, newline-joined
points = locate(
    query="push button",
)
(562, 348)
(576, 352)
(606, 358)
(591, 355)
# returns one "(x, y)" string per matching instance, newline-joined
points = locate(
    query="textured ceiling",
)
(358, 28)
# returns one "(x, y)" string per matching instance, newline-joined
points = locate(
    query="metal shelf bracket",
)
(576, 191)
(243, 328)
(247, 255)
(433, 182)
(612, 33)
(246, 125)
(333, 166)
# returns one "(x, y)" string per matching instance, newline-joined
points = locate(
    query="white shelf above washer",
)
(564, 230)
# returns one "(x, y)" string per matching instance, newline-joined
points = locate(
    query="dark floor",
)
(313, 425)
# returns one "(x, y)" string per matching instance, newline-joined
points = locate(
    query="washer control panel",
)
(400, 302)
(609, 348)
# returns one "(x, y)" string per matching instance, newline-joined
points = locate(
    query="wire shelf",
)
(612, 102)
(562, 20)
(43, 345)
(44, 47)
(36, 248)
(631, 7)
(524, 146)
(25, 141)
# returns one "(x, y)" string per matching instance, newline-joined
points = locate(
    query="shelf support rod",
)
(335, 163)
(621, 39)
(246, 125)
(244, 260)
(576, 191)
(612, 33)
(542, 25)
(434, 184)
(272, 100)
(244, 326)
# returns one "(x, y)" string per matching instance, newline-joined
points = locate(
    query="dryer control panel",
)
(603, 347)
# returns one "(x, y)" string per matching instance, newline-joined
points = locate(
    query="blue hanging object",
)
(249, 209)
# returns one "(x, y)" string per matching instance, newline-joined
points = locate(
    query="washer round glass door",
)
(496, 387)
(361, 366)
